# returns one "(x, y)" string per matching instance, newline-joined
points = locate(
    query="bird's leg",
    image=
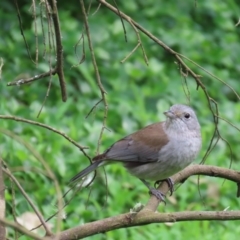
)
(154, 191)
(169, 182)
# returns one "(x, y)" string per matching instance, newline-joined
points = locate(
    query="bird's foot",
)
(159, 195)
(169, 182)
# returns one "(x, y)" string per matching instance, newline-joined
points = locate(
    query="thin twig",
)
(48, 232)
(99, 5)
(59, 211)
(184, 83)
(51, 46)
(2, 203)
(212, 75)
(46, 166)
(34, 15)
(42, 5)
(21, 29)
(18, 119)
(14, 213)
(21, 229)
(1, 66)
(237, 24)
(95, 105)
(46, 96)
(130, 54)
(58, 38)
(83, 55)
(124, 29)
(139, 40)
(212, 145)
(22, 81)
(227, 121)
(99, 82)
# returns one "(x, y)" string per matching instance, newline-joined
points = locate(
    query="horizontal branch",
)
(143, 218)
(207, 170)
(149, 215)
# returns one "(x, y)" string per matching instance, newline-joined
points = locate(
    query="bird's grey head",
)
(182, 117)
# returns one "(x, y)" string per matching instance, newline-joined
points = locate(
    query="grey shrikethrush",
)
(157, 151)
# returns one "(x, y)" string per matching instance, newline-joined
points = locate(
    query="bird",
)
(157, 151)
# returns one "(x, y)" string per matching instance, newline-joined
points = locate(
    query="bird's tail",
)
(87, 170)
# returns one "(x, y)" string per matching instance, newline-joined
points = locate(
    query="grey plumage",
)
(157, 151)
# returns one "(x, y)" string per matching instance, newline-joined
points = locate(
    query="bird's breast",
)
(177, 154)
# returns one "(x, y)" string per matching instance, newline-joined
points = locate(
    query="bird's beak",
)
(170, 114)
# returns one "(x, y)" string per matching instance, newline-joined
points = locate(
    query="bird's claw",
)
(158, 194)
(169, 182)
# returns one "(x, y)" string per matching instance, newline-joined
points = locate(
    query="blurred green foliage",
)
(203, 31)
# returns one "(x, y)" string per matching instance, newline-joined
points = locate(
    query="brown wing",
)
(142, 146)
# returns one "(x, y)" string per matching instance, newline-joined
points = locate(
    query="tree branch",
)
(53, 12)
(143, 218)
(192, 170)
(149, 215)
(58, 39)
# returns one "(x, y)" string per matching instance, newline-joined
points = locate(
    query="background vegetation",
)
(204, 31)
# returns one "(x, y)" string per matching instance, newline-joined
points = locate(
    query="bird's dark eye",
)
(187, 115)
